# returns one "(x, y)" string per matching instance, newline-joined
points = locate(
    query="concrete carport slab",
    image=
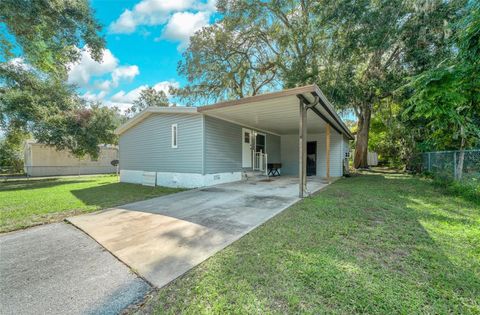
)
(164, 237)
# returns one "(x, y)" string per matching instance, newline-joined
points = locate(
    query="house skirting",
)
(181, 180)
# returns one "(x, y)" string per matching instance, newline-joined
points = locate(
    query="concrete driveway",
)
(57, 269)
(164, 237)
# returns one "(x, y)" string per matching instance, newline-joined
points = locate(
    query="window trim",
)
(174, 136)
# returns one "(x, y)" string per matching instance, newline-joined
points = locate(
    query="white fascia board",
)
(154, 110)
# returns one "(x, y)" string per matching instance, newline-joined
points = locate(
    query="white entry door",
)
(246, 147)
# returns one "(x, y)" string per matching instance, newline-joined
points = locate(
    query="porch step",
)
(253, 175)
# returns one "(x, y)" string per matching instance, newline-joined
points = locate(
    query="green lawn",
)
(24, 203)
(375, 243)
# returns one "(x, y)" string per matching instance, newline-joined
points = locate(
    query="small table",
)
(273, 169)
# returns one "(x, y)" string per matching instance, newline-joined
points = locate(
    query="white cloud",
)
(94, 97)
(104, 85)
(125, 24)
(81, 72)
(86, 68)
(124, 73)
(165, 86)
(122, 98)
(20, 63)
(127, 97)
(148, 12)
(182, 25)
(210, 6)
(180, 17)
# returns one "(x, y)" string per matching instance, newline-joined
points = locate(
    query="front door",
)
(246, 147)
(311, 158)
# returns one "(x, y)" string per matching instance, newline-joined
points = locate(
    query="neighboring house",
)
(44, 160)
(207, 145)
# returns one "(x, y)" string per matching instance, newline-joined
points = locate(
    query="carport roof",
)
(276, 112)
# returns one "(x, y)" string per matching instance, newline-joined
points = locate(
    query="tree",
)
(34, 97)
(148, 97)
(11, 150)
(53, 113)
(358, 52)
(394, 138)
(449, 94)
(256, 46)
(49, 32)
(222, 63)
(376, 44)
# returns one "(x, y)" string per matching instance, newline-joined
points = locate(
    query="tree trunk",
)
(361, 146)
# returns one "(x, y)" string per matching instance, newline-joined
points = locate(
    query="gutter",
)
(328, 108)
(313, 105)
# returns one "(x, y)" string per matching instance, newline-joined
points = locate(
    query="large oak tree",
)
(358, 52)
(39, 39)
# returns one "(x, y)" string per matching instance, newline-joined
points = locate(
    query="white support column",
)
(302, 150)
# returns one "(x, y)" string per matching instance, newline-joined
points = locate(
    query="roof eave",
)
(261, 97)
(153, 110)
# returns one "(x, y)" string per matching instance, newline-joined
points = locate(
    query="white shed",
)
(44, 160)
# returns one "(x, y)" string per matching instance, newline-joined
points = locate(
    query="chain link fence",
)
(448, 164)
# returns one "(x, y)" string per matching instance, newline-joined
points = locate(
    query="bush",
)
(469, 188)
(10, 157)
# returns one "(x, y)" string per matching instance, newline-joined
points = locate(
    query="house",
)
(44, 160)
(295, 130)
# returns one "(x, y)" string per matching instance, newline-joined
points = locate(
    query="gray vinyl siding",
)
(273, 149)
(336, 155)
(289, 154)
(147, 146)
(223, 146)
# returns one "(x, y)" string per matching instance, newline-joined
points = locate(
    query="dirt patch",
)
(36, 220)
(213, 189)
(264, 201)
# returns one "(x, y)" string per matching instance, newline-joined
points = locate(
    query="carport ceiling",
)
(276, 112)
(280, 116)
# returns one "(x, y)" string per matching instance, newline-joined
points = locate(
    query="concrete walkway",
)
(164, 237)
(57, 269)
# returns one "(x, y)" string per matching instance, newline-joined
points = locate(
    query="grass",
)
(373, 243)
(25, 203)
(468, 187)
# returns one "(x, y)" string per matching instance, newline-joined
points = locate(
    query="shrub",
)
(468, 187)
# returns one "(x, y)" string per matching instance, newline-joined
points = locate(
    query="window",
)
(174, 136)
(246, 137)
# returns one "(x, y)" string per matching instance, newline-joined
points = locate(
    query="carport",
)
(302, 111)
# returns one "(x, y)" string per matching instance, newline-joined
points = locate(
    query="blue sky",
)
(145, 41)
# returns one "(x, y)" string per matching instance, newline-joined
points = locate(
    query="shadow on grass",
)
(115, 194)
(38, 183)
(369, 244)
